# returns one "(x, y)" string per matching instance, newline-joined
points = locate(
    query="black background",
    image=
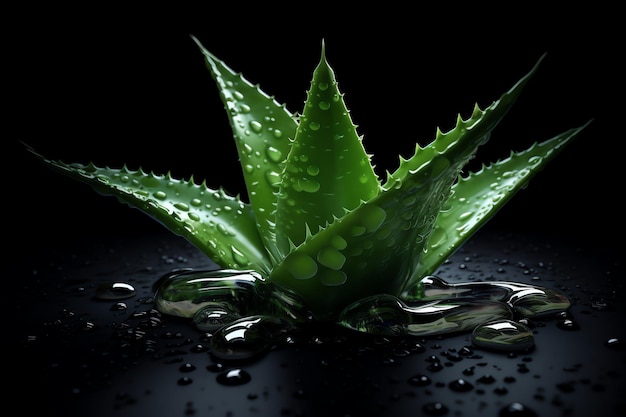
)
(125, 84)
(122, 84)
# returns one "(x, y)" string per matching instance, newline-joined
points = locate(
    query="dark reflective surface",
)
(81, 356)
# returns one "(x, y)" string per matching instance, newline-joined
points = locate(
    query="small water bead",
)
(234, 376)
(466, 351)
(187, 367)
(568, 324)
(273, 178)
(216, 367)
(255, 126)
(185, 381)
(114, 291)
(452, 357)
(160, 195)
(615, 343)
(181, 206)
(435, 367)
(273, 154)
(517, 410)
(419, 380)
(460, 385)
(435, 409)
(324, 105)
(199, 348)
(119, 307)
(500, 390)
(503, 335)
(308, 185)
(314, 126)
(413, 346)
(486, 379)
(433, 359)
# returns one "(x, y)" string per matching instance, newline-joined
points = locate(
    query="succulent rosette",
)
(318, 223)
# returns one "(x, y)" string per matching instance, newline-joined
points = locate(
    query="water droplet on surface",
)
(503, 335)
(181, 206)
(313, 170)
(567, 324)
(301, 266)
(419, 380)
(308, 185)
(273, 178)
(460, 385)
(273, 154)
(615, 343)
(119, 307)
(435, 409)
(160, 195)
(249, 337)
(199, 348)
(239, 257)
(114, 291)
(331, 258)
(435, 367)
(187, 367)
(185, 381)
(234, 376)
(255, 126)
(216, 367)
(486, 379)
(517, 410)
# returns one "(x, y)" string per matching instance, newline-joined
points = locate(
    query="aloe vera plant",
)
(320, 225)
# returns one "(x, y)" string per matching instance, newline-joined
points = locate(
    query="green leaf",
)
(223, 227)
(327, 170)
(263, 130)
(477, 197)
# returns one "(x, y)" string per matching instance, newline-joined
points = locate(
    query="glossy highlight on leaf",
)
(320, 225)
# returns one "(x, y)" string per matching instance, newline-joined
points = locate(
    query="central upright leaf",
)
(327, 171)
